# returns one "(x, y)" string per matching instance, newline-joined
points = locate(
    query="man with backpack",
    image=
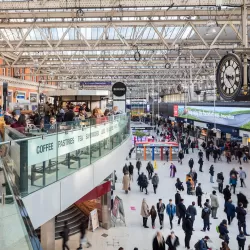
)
(187, 226)
(202, 244)
(205, 215)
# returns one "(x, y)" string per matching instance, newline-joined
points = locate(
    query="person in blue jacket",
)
(233, 182)
(171, 210)
(202, 244)
(230, 211)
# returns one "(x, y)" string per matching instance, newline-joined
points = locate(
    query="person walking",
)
(138, 166)
(160, 209)
(181, 156)
(243, 176)
(192, 211)
(224, 231)
(150, 170)
(144, 183)
(200, 162)
(192, 146)
(226, 193)
(211, 172)
(241, 216)
(126, 183)
(153, 215)
(139, 181)
(207, 153)
(241, 238)
(182, 211)
(214, 204)
(205, 215)
(65, 235)
(177, 202)
(125, 169)
(233, 182)
(158, 242)
(155, 182)
(172, 170)
(200, 154)
(199, 194)
(83, 239)
(171, 211)
(144, 212)
(173, 241)
(131, 171)
(167, 154)
(239, 155)
(220, 180)
(230, 211)
(187, 226)
(191, 164)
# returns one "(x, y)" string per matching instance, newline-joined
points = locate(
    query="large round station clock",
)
(229, 76)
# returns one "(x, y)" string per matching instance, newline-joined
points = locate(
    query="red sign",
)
(175, 110)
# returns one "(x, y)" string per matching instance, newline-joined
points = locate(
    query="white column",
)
(48, 235)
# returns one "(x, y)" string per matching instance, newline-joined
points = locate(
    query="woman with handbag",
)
(126, 182)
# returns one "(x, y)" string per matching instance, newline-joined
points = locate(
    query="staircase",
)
(74, 218)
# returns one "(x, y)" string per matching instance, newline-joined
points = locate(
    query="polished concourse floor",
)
(134, 235)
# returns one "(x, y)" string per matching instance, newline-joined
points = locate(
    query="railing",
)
(17, 230)
(38, 158)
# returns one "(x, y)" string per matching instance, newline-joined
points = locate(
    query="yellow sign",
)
(155, 165)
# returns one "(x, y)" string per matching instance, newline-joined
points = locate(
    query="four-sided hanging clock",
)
(229, 77)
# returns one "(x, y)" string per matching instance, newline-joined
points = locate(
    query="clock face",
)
(229, 76)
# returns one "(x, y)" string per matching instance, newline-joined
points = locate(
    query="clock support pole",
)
(245, 45)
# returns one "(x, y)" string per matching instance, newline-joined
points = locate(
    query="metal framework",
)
(68, 41)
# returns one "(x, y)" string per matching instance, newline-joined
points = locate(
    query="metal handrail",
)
(33, 239)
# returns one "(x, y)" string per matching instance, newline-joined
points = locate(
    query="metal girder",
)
(117, 13)
(125, 23)
(68, 4)
(115, 47)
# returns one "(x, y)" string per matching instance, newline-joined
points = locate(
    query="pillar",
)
(48, 235)
(153, 153)
(170, 154)
(106, 210)
(244, 43)
(145, 153)
(161, 153)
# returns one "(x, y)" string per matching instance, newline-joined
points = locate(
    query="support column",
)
(106, 210)
(244, 43)
(145, 153)
(170, 154)
(153, 153)
(161, 153)
(48, 235)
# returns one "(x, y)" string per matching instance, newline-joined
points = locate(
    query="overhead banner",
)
(51, 146)
(95, 83)
(228, 116)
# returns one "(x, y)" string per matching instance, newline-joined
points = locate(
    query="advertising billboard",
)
(229, 116)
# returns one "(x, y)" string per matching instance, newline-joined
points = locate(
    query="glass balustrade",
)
(41, 156)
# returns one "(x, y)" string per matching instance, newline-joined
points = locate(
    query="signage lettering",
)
(65, 142)
(44, 148)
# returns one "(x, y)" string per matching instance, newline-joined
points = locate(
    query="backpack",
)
(217, 229)
(197, 245)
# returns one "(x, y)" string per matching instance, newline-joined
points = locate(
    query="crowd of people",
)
(52, 117)
(186, 215)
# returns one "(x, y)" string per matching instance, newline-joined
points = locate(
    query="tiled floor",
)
(134, 235)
